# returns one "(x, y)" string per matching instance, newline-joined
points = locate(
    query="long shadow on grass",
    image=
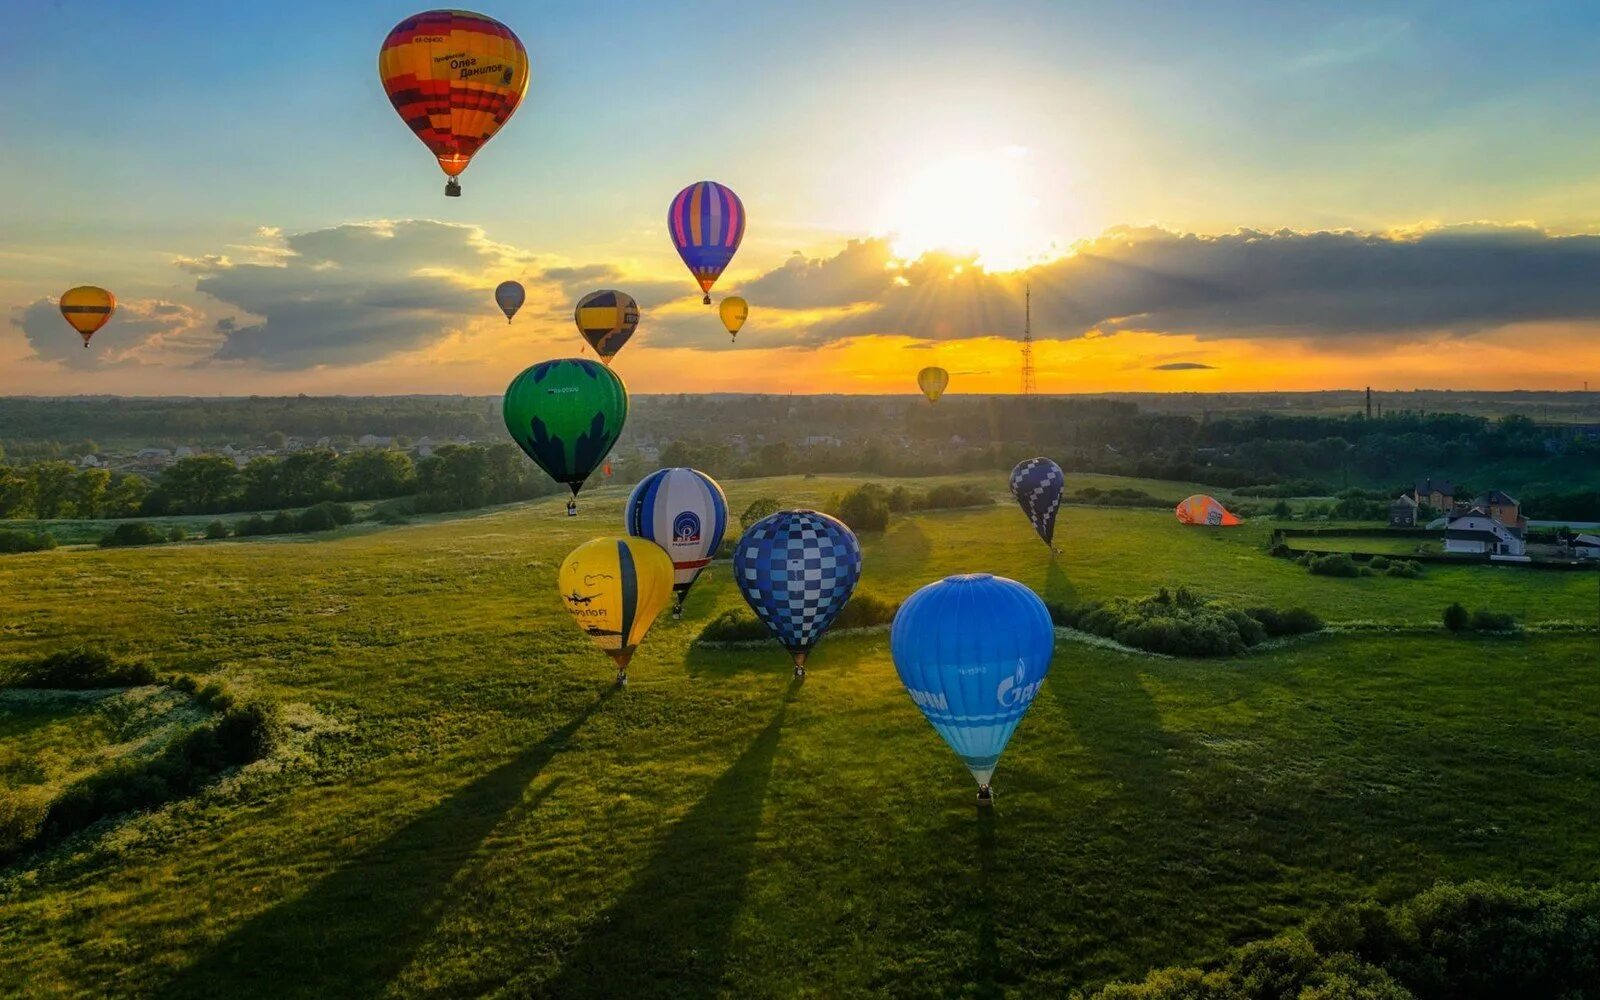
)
(1056, 585)
(668, 934)
(350, 934)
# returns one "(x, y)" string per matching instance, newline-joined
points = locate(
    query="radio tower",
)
(1027, 341)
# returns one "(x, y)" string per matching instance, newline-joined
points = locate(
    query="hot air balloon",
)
(509, 296)
(87, 308)
(684, 512)
(797, 568)
(973, 651)
(734, 311)
(706, 222)
(1037, 484)
(614, 588)
(1201, 509)
(455, 77)
(932, 382)
(565, 415)
(606, 319)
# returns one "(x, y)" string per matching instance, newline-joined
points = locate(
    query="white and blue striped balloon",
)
(685, 512)
(973, 652)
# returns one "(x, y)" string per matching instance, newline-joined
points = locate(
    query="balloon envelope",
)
(606, 319)
(614, 588)
(796, 569)
(87, 308)
(1037, 484)
(932, 382)
(565, 415)
(973, 652)
(685, 512)
(454, 77)
(734, 311)
(706, 222)
(509, 296)
(1201, 509)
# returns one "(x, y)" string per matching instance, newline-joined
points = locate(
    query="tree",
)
(260, 489)
(307, 477)
(453, 478)
(375, 474)
(276, 440)
(677, 455)
(89, 490)
(865, 508)
(1456, 618)
(16, 493)
(52, 488)
(204, 484)
(127, 495)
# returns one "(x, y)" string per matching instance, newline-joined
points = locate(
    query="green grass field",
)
(481, 813)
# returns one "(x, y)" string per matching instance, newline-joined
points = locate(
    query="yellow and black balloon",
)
(614, 588)
(734, 311)
(606, 319)
(87, 308)
(932, 381)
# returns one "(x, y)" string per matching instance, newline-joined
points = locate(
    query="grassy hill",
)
(477, 811)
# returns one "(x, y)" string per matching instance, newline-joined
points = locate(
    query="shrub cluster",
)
(1457, 619)
(1121, 496)
(865, 508)
(1286, 489)
(324, 516)
(739, 625)
(1344, 565)
(80, 669)
(868, 506)
(1181, 623)
(1476, 940)
(25, 541)
(132, 533)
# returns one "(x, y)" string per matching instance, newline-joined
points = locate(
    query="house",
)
(1477, 533)
(90, 462)
(1403, 512)
(1440, 494)
(373, 441)
(1586, 547)
(183, 451)
(1503, 508)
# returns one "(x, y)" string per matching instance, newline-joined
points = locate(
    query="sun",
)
(981, 203)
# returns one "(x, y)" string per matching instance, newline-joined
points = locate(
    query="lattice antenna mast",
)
(1027, 341)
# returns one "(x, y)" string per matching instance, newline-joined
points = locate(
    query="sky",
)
(1220, 196)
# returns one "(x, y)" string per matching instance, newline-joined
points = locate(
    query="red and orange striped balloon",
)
(455, 77)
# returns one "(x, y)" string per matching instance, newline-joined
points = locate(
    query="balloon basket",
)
(572, 508)
(985, 797)
(799, 673)
(452, 188)
(622, 678)
(706, 300)
(677, 614)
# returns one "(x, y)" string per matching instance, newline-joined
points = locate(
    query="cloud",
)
(352, 293)
(1409, 285)
(141, 331)
(1182, 366)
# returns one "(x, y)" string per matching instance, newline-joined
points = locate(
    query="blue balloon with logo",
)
(685, 512)
(796, 569)
(973, 651)
(1037, 484)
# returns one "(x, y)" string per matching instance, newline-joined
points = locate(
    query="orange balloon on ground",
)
(1204, 510)
(87, 308)
(455, 77)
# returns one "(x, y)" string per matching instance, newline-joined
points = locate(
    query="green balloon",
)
(566, 415)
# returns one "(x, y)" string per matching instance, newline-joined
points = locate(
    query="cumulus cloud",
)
(1182, 366)
(142, 331)
(1307, 285)
(351, 293)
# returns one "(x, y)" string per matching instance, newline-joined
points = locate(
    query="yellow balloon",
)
(614, 588)
(87, 308)
(734, 311)
(932, 382)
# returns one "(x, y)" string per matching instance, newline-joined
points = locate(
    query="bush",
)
(21, 816)
(325, 516)
(865, 609)
(217, 529)
(1337, 564)
(177, 534)
(733, 625)
(1473, 942)
(253, 526)
(1484, 620)
(950, 496)
(1183, 624)
(25, 541)
(1379, 562)
(1407, 569)
(865, 508)
(132, 533)
(81, 669)
(759, 508)
(283, 523)
(1456, 618)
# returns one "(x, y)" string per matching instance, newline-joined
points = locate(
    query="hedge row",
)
(1181, 623)
(739, 625)
(25, 541)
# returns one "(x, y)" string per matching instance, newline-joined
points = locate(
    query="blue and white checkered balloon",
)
(797, 569)
(1037, 484)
